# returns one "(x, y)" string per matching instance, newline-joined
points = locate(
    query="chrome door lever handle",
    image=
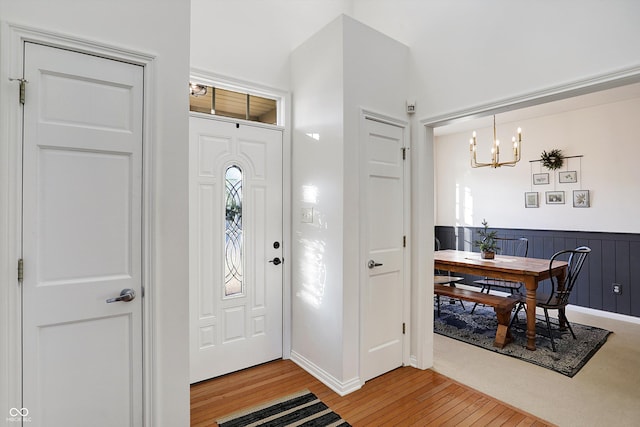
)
(126, 295)
(372, 264)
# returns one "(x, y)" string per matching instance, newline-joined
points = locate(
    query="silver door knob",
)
(372, 264)
(126, 295)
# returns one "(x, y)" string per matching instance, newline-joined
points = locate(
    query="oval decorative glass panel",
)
(233, 260)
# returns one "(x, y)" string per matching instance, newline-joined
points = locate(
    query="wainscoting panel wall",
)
(615, 258)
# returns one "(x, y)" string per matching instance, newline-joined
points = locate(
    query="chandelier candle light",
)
(495, 150)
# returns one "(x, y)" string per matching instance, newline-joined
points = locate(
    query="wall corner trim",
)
(340, 387)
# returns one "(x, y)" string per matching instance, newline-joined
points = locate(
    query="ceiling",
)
(574, 103)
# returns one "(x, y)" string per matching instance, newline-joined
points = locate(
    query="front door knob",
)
(275, 261)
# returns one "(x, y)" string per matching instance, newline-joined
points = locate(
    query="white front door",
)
(384, 293)
(82, 234)
(235, 241)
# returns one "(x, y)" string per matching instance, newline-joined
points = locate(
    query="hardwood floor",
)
(403, 397)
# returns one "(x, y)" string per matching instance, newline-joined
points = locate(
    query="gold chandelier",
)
(495, 150)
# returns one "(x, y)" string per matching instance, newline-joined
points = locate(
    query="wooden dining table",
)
(530, 271)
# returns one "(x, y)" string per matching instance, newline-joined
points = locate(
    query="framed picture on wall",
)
(567, 177)
(555, 197)
(531, 200)
(540, 178)
(581, 198)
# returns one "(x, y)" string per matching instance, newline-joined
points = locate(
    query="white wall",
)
(317, 174)
(607, 137)
(160, 29)
(342, 68)
(375, 78)
(251, 40)
(467, 52)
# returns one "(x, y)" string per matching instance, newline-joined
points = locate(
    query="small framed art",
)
(540, 178)
(531, 200)
(555, 197)
(581, 198)
(567, 177)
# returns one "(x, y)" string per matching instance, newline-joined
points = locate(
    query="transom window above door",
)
(228, 103)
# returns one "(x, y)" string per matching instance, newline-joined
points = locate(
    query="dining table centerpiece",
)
(487, 243)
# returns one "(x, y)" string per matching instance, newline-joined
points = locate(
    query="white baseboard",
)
(342, 388)
(413, 362)
(603, 314)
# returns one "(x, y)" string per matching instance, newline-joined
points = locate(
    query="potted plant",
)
(487, 244)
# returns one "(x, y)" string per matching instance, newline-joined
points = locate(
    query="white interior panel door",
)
(82, 231)
(235, 238)
(384, 292)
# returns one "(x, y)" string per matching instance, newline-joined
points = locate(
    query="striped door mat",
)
(299, 409)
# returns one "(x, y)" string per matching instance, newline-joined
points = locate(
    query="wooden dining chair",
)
(445, 278)
(558, 297)
(513, 246)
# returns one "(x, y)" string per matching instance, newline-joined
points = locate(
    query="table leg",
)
(531, 285)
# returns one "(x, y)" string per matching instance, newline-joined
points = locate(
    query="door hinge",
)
(404, 241)
(23, 83)
(404, 328)
(20, 270)
(404, 152)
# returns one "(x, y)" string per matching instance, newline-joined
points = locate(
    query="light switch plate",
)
(306, 215)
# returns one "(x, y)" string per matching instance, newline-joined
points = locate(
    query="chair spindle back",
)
(575, 260)
(513, 246)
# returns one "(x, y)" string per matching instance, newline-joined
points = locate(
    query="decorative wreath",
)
(552, 160)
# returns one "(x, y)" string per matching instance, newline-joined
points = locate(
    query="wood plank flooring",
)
(403, 397)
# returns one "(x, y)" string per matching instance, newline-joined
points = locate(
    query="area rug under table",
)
(480, 327)
(299, 409)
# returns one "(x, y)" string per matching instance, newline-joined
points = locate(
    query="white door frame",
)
(406, 286)
(284, 124)
(13, 38)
